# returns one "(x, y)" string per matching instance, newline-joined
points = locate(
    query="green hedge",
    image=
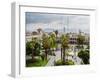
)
(69, 62)
(59, 62)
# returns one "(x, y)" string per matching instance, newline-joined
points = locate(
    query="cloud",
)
(56, 21)
(43, 17)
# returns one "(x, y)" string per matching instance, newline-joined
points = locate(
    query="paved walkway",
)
(58, 55)
(51, 61)
(54, 58)
(74, 58)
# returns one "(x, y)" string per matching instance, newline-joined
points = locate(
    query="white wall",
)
(5, 41)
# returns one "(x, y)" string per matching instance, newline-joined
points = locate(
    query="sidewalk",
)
(51, 61)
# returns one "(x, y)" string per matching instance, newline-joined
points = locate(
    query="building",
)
(74, 36)
(35, 34)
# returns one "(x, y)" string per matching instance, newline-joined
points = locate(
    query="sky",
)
(49, 22)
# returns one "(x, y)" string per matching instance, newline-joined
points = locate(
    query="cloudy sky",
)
(47, 22)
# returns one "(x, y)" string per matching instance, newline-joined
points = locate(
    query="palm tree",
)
(46, 44)
(64, 45)
(52, 39)
(49, 43)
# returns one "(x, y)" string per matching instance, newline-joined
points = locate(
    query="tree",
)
(37, 48)
(39, 30)
(46, 44)
(49, 43)
(64, 45)
(33, 43)
(52, 39)
(56, 32)
(28, 48)
(80, 40)
(33, 47)
(84, 55)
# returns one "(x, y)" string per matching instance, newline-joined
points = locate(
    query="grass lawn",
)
(36, 63)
